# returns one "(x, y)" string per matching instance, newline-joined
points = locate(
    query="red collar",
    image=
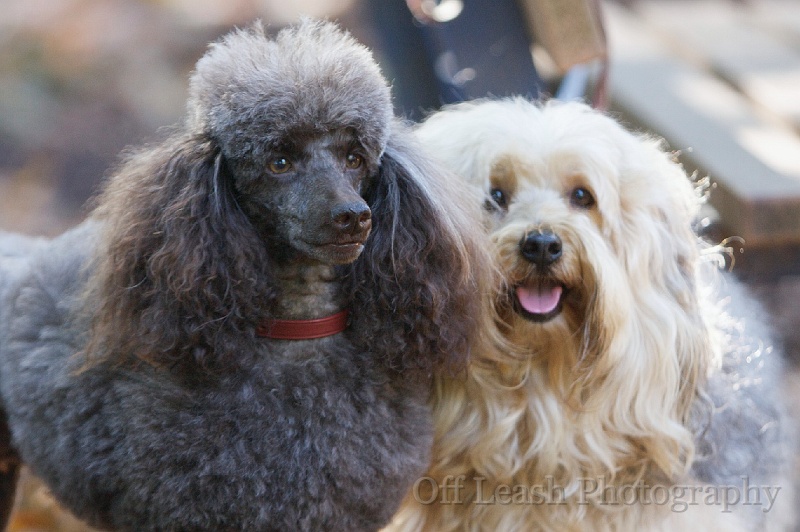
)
(303, 329)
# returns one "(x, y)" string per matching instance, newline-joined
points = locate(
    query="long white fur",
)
(614, 388)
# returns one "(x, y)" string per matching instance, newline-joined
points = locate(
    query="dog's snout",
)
(352, 217)
(541, 248)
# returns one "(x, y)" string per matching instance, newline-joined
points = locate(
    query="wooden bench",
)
(721, 83)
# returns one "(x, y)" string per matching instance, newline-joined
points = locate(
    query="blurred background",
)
(720, 79)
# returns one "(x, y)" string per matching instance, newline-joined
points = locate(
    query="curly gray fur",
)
(744, 433)
(131, 377)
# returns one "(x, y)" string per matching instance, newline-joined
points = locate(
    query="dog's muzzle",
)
(540, 298)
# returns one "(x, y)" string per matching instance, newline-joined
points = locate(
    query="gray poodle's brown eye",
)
(581, 198)
(279, 165)
(354, 161)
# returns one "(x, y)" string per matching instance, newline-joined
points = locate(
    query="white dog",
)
(629, 388)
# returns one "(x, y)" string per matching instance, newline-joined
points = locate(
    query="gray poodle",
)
(242, 334)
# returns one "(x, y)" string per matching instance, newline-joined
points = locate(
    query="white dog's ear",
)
(659, 206)
(648, 321)
(676, 210)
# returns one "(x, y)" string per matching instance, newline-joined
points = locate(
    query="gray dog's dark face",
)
(305, 196)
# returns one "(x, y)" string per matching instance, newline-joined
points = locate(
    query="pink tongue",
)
(539, 299)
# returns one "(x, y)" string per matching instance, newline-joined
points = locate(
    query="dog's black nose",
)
(541, 248)
(351, 217)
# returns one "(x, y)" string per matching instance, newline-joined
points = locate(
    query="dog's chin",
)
(340, 254)
(539, 300)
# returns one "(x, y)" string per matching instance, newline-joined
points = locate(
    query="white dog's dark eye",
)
(582, 198)
(354, 161)
(499, 197)
(279, 165)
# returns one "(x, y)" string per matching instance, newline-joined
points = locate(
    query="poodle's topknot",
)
(250, 90)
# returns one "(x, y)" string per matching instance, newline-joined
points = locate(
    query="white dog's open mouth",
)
(539, 301)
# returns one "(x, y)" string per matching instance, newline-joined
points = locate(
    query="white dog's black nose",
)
(351, 218)
(541, 248)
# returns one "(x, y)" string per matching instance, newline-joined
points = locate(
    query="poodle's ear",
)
(180, 269)
(418, 286)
